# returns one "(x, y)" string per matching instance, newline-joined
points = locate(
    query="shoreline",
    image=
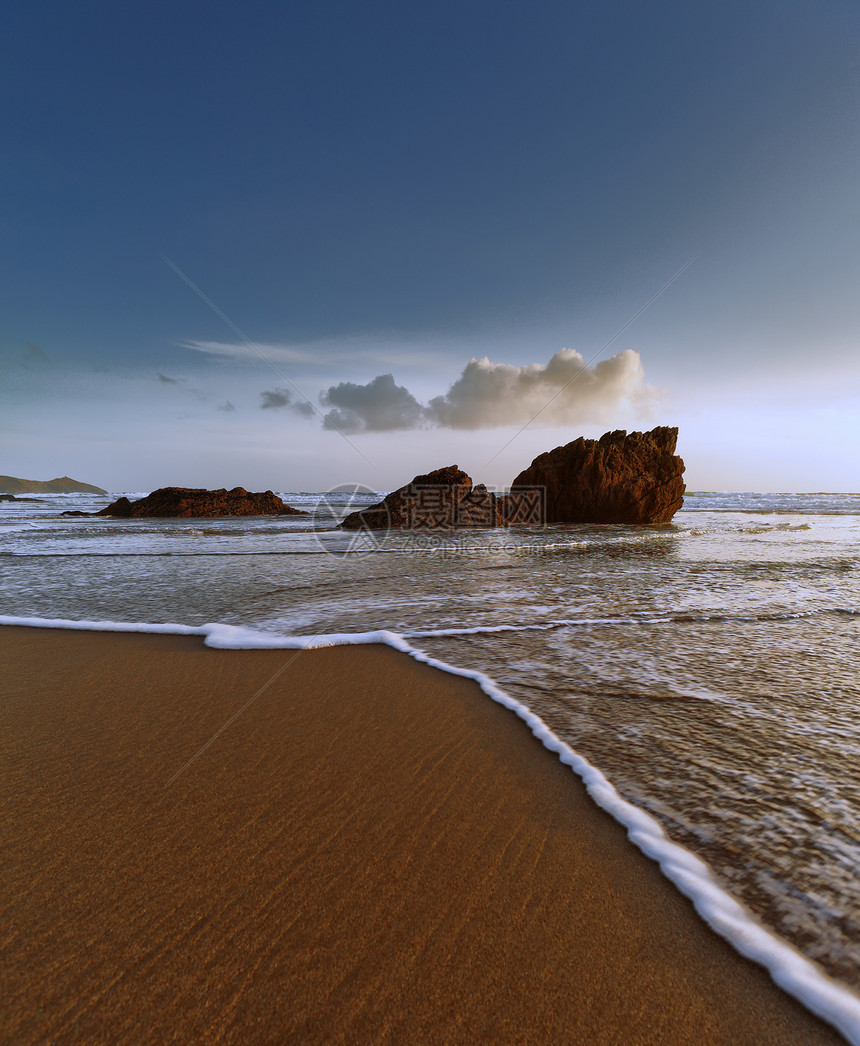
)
(371, 851)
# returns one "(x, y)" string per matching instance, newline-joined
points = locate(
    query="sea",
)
(702, 677)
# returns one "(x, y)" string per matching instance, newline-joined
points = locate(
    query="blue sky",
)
(372, 189)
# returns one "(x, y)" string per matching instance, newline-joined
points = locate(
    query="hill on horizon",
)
(62, 485)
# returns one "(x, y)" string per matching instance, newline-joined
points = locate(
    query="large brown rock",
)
(439, 500)
(191, 502)
(619, 478)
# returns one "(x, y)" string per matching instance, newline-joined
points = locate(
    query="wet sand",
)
(371, 851)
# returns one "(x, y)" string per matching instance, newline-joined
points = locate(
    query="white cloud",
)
(241, 350)
(387, 349)
(563, 392)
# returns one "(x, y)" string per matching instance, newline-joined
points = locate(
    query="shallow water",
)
(708, 668)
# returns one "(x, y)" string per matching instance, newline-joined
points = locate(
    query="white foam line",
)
(826, 997)
(639, 619)
(105, 626)
(441, 633)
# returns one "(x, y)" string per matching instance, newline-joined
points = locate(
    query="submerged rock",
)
(189, 502)
(439, 500)
(620, 478)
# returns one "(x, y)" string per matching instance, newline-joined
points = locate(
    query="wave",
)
(631, 619)
(829, 999)
(347, 545)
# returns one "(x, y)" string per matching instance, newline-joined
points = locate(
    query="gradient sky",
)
(385, 188)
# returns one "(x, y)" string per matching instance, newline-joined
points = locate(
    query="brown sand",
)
(372, 852)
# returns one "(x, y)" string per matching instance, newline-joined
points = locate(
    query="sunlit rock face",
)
(619, 478)
(194, 502)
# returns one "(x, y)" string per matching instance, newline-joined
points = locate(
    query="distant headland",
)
(63, 485)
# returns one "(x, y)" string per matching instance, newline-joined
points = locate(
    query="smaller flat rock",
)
(197, 503)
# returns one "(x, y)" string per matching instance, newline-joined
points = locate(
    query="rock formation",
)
(194, 502)
(439, 500)
(620, 478)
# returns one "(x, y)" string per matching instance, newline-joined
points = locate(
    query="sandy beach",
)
(371, 851)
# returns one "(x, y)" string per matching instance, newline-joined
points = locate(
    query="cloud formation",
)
(280, 399)
(565, 391)
(379, 406)
(274, 399)
(377, 350)
(182, 385)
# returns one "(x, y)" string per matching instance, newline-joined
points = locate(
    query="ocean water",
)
(710, 668)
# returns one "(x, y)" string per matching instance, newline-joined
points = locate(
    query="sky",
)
(295, 245)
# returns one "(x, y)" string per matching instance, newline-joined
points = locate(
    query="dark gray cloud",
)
(281, 399)
(181, 384)
(379, 406)
(227, 407)
(275, 399)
